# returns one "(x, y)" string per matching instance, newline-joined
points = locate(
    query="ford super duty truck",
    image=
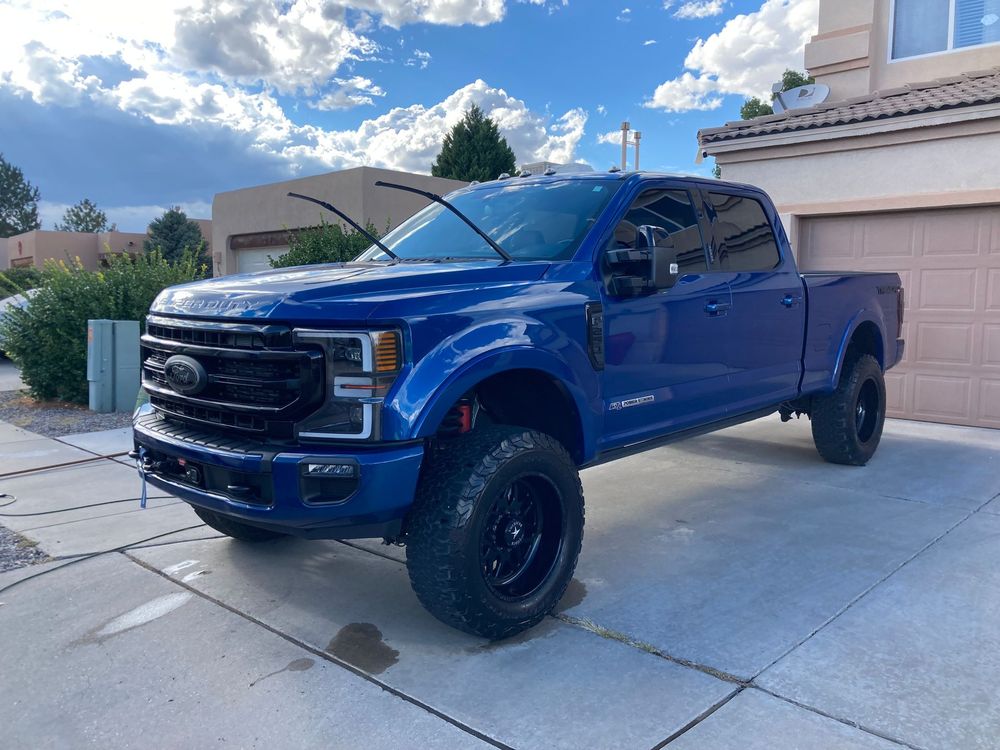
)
(444, 389)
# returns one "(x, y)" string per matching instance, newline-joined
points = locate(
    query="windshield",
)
(532, 221)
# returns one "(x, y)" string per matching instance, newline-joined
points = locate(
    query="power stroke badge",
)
(630, 402)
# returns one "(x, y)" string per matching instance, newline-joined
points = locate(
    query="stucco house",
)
(899, 170)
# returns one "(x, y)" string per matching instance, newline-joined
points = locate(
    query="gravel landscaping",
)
(55, 418)
(17, 551)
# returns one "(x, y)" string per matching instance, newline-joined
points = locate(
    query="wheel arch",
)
(525, 387)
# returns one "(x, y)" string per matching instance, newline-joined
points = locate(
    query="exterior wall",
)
(267, 208)
(876, 172)
(39, 246)
(120, 242)
(850, 52)
(34, 248)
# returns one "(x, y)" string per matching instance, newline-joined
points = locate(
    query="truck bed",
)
(878, 301)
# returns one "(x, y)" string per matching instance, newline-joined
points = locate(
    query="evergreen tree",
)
(474, 150)
(173, 233)
(18, 201)
(85, 216)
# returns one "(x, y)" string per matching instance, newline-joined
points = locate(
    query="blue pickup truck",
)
(444, 389)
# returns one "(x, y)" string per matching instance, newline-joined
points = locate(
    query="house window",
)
(924, 27)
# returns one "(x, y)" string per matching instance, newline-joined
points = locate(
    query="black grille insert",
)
(255, 381)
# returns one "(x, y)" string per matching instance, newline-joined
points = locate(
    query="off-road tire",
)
(242, 531)
(840, 434)
(461, 487)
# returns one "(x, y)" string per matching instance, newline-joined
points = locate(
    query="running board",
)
(630, 450)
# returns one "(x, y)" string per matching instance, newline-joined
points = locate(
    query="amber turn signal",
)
(387, 357)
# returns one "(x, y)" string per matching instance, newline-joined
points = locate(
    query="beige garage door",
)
(949, 261)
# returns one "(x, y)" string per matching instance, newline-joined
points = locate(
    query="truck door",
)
(664, 368)
(767, 321)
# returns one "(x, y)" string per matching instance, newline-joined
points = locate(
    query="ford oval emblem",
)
(185, 375)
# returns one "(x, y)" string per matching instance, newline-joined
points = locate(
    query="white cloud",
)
(625, 15)
(352, 92)
(700, 9)
(612, 137)
(420, 59)
(649, 43)
(744, 58)
(601, 109)
(294, 46)
(397, 13)
(176, 73)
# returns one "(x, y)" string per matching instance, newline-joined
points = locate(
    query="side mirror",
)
(650, 267)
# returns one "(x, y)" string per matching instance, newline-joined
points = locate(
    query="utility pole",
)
(625, 129)
(636, 137)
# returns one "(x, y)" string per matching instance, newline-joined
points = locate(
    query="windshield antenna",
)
(371, 237)
(438, 199)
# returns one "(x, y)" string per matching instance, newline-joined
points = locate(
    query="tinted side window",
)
(744, 235)
(671, 212)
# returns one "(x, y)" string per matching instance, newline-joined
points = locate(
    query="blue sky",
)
(140, 106)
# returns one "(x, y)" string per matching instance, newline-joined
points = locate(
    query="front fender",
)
(477, 353)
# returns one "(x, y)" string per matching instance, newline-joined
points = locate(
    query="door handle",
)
(717, 308)
(790, 301)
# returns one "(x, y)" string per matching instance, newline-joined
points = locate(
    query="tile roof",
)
(966, 90)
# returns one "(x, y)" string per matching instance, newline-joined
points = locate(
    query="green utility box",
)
(113, 364)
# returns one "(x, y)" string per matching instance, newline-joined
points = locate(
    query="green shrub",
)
(327, 243)
(48, 339)
(18, 280)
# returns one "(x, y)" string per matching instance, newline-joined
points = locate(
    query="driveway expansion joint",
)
(324, 655)
(876, 584)
(698, 719)
(614, 635)
(838, 719)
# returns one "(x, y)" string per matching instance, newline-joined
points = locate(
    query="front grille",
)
(253, 380)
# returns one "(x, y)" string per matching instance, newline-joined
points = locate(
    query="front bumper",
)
(266, 488)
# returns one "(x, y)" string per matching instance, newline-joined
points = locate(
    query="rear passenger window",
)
(744, 235)
(670, 214)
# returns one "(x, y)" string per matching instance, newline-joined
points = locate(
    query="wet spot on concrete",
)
(540, 630)
(360, 644)
(576, 592)
(298, 665)
(141, 615)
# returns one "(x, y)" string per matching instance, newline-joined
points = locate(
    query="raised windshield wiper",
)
(371, 237)
(438, 199)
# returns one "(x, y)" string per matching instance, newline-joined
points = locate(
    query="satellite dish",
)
(800, 98)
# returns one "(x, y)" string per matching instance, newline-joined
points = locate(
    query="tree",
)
(327, 243)
(85, 216)
(18, 201)
(173, 233)
(474, 150)
(755, 107)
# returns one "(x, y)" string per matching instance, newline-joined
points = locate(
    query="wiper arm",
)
(371, 237)
(438, 199)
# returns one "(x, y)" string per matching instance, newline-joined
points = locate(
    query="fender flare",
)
(488, 364)
(863, 316)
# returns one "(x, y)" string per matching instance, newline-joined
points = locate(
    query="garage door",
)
(949, 261)
(257, 259)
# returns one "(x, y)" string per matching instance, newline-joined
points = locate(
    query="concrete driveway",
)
(734, 591)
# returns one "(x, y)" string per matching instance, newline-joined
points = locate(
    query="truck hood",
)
(337, 291)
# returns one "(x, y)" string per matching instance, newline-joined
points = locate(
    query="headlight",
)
(360, 369)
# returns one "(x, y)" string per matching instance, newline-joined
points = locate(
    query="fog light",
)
(342, 471)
